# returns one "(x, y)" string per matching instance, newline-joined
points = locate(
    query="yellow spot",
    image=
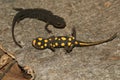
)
(41, 46)
(40, 39)
(34, 41)
(56, 44)
(53, 45)
(59, 39)
(69, 43)
(39, 43)
(73, 37)
(62, 44)
(50, 39)
(70, 39)
(63, 38)
(46, 40)
(45, 45)
(56, 38)
(76, 42)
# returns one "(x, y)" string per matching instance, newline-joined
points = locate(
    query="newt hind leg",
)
(18, 9)
(73, 32)
(69, 48)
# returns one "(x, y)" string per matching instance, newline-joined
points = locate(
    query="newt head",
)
(40, 43)
(58, 22)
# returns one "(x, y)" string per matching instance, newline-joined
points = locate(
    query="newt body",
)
(64, 42)
(40, 14)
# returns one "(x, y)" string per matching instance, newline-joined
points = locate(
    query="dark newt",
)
(41, 14)
(64, 42)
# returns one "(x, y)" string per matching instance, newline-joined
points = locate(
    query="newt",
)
(40, 14)
(66, 42)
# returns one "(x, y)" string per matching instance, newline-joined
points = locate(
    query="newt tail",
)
(83, 44)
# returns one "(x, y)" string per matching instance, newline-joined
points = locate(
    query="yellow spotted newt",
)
(64, 42)
(40, 14)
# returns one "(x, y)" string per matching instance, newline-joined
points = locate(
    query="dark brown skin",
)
(65, 42)
(40, 14)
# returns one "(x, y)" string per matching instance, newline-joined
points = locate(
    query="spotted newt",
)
(66, 42)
